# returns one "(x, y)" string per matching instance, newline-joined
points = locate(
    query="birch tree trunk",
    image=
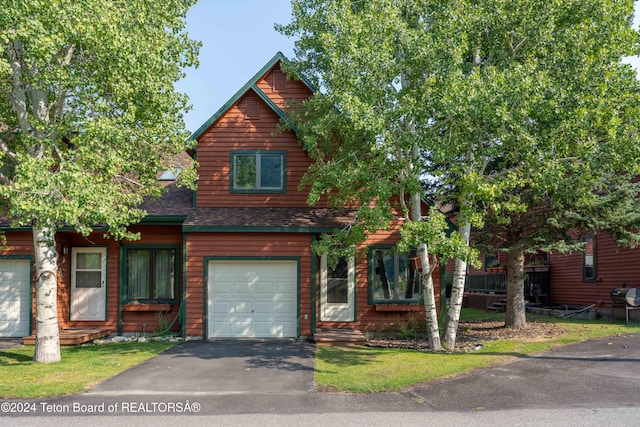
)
(47, 344)
(457, 293)
(516, 314)
(433, 333)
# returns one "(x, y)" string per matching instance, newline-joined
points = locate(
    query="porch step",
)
(339, 337)
(499, 307)
(74, 336)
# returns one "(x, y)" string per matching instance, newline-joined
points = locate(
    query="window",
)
(337, 290)
(589, 259)
(393, 276)
(171, 174)
(88, 269)
(258, 171)
(490, 261)
(150, 274)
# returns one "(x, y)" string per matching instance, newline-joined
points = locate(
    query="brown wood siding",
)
(368, 318)
(292, 91)
(203, 245)
(233, 132)
(145, 322)
(21, 243)
(614, 266)
(236, 130)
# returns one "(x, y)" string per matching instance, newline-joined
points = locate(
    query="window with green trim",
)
(589, 258)
(394, 276)
(150, 274)
(258, 171)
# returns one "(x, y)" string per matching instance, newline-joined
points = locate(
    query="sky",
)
(238, 39)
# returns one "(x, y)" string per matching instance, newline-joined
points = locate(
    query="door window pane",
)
(89, 261)
(88, 279)
(338, 282)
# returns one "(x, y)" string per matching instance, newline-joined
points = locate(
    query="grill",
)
(629, 297)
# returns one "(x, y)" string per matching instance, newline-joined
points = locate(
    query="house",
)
(232, 259)
(564, 281)
(588, 278)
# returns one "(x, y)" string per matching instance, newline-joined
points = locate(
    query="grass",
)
(80, 368)
(369, 370)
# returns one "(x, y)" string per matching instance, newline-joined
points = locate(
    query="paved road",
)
(239, 382)
(596, 373)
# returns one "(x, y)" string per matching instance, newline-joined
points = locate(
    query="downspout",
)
(121, 289)
(314, 273)
(183, 313)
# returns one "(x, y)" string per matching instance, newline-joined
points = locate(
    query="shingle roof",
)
(175, 201)
(268, 219)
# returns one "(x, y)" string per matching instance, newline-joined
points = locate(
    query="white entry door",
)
(88, 283)
(15, 297)
(337, 293)
(252, 299)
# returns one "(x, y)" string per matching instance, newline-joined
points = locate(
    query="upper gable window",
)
(258, 171)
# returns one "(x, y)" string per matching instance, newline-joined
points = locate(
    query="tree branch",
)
(17, 95)
(130, 181)
(57, 106)
(7, 151)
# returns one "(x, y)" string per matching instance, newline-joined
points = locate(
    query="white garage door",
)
(252, 299)
(15, 297)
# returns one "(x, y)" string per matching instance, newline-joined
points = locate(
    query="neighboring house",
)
(232, 259)
(587, 278)
(578, 280)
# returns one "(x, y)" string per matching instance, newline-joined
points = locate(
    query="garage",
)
(252, 299)
(15, 297)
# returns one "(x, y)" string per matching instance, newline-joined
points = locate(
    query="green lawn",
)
(349, 369)
(80, 368)
(368, 370)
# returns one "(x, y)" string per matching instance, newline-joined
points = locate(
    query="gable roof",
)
(250, 85)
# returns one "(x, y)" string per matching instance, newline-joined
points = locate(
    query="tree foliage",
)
(551, 113)
(368, 129)
(88, 116)
(88, 107)
(521, 114)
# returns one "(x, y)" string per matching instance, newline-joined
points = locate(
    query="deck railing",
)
(536, 284)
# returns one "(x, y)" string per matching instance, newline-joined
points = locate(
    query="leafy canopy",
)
(368, 128)
(88, 110)
(550, 116)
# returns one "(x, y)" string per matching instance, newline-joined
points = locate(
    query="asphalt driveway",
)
(276, 377)
(220, 367)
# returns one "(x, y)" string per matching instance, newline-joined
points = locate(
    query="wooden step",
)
(339, 337)
(74, 336)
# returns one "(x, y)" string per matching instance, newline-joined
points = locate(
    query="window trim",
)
(594, 275)
(75, 316)
(124, 268)
(334, 312)
(372, 267)
(258, 189)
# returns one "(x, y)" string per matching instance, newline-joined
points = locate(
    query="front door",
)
(337, 285)
(88, 283)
